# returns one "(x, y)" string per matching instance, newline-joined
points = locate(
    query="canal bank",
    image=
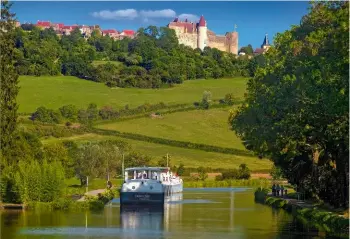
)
(312, 214)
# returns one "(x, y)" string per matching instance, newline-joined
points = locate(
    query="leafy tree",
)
(229, 99)
(206, 100)
(9, 79)
(247, 50)
(45, 115)
(39, 182)
(276, 173)
(202, 174)
(296, 111)
(69, 112)
(165, 161)
(181, 169)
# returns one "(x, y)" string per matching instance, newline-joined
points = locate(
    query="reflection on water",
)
(202, 213)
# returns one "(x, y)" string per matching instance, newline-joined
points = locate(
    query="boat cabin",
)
(161, 174)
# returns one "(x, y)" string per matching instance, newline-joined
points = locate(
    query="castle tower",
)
(202, 33)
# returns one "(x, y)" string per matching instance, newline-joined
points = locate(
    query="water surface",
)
(196, 213)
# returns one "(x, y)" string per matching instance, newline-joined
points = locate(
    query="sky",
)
(253, 19)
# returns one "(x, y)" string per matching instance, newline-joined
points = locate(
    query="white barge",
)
(148, 185)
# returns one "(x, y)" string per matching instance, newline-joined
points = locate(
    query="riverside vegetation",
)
(331, 222)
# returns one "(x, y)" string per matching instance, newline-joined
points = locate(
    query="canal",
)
(196, 213)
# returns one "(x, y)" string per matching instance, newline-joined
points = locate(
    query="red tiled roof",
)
(66, 27)
(201, 22)
(109, 31)
(60, 25)
(43, 24)
(259, 50)
(129, 32)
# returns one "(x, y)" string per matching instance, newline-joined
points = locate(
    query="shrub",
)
(69, 112)
(39, 182)
(181, 170)
(45, 115)
(202, 174)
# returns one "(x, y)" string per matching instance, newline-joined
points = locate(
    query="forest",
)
(153, 59)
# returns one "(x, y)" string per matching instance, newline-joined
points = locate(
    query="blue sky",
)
(253, 19)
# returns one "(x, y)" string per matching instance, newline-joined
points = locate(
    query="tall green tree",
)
(296, 111)
(9, 79)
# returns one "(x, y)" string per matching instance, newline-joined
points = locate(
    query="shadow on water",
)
(196, 213)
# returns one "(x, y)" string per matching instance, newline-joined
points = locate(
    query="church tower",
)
(265, 46)
(202, 33)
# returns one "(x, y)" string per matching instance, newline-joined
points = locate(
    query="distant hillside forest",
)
(152, 59)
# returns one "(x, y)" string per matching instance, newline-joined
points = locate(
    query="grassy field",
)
(189, 157)
(53, 92)
(198, 126)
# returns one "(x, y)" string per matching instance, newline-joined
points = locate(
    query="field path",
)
(91, 193)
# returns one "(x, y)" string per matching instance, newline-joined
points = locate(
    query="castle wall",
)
(188, 40)
(189, 35)
(218, 42)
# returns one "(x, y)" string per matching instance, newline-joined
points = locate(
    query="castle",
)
(197, 35)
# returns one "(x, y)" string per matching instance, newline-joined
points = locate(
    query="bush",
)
(180, 170)
(45, 115)
(69, 112)
(242, 173)
(39, 182)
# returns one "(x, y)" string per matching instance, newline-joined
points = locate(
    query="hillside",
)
(199, 126)
(55, 91)
(189, 157)
(207, 127)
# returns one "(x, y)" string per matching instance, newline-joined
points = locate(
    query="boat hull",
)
(141, 198)
(174, 188)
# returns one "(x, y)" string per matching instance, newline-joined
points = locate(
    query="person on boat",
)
(278, 190)
(274, 190)
(285, 192)
(144, 175)
(139, 175)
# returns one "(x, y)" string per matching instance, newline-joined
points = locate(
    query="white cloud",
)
(143, 15)
(118, 14)
(165, 13)
(189, 17)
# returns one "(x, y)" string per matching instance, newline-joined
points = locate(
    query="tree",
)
(69, 112)
(247, 50)
(296, 109)
(181, 169)
(206, 99)
(9, 79)
(276, 173)
(165, 161)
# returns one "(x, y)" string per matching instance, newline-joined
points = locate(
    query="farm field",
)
(55, 91)
(189, 157)
(197, 126)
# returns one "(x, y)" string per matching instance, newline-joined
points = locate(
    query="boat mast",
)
(167, 160)
(123, 173)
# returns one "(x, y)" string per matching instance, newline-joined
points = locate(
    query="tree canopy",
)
(153, 58)
(296, 109)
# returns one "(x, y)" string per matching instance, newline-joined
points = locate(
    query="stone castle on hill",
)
(197, 35)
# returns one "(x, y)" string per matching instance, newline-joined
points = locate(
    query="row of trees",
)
(153, 58)
(296, 111)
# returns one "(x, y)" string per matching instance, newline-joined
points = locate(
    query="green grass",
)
(189, 157)
(199, 126)
(55, 91)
